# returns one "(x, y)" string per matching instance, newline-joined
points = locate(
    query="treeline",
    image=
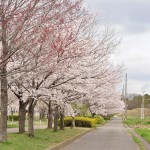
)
(136, 101)
(53, 52)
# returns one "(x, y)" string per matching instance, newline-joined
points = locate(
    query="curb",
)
(60, 145)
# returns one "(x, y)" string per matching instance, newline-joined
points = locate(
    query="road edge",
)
(64, 143)
(143, 141)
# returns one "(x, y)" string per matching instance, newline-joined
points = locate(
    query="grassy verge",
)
(137, 122)
(44, 138)
(145, 133)
(136, 140)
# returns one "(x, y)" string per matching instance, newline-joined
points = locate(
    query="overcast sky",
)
(132, 20)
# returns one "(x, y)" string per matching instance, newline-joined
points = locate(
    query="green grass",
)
(145, 133)
(12, 125)
(134, 121)
(44, 138)
(15, 124)
(139, 143)
(136, 140)
(38, 122)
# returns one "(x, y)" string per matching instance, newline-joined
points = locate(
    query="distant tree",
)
(147, 101)
(136, 101)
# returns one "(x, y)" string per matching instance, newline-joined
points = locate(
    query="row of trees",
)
(51, 51)
(135, 101)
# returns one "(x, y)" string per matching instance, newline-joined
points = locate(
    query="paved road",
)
(113, 136)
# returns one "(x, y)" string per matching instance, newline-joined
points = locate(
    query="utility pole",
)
(122, 94)
(122, 99)
(125, 97)
(142, 108)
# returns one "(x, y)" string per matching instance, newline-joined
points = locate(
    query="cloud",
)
(146, 87)
(130, 18)
(135, 55)
(137, 87)
(133, 15)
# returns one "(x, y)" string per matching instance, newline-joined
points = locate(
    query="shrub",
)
(85, 122)
(107, 117)
(67, 121)
(99, 119)
(80, 122)
(13, 117)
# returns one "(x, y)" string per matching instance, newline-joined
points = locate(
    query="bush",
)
(107, 117)
(80, 122)
(67, 121)
(13, 117)
(99, 119)
(85, 122)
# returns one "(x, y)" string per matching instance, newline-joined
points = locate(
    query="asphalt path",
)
(112, 136)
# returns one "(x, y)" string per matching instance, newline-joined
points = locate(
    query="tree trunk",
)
(22, 118)
(0, 123)
(3, 80)
(62, 126)
(93, 114)
(32, 104)
(56, 118)
(12, 111)
(42, 116)
(22, 115)
(50, 116)
(30, 123)
(73, 123)
(4, 101)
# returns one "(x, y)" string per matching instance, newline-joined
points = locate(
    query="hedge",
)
(13, 117)
(80, 122)
(98, 119)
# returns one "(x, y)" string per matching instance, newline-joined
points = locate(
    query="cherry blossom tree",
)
(94, 75)
(55, 53)
(26, 37)
(41, 109)
(12, 103)
(62, 49)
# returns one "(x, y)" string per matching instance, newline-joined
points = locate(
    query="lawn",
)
(15, 124)
(12, 125)
(44, 138)
(145, 133)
